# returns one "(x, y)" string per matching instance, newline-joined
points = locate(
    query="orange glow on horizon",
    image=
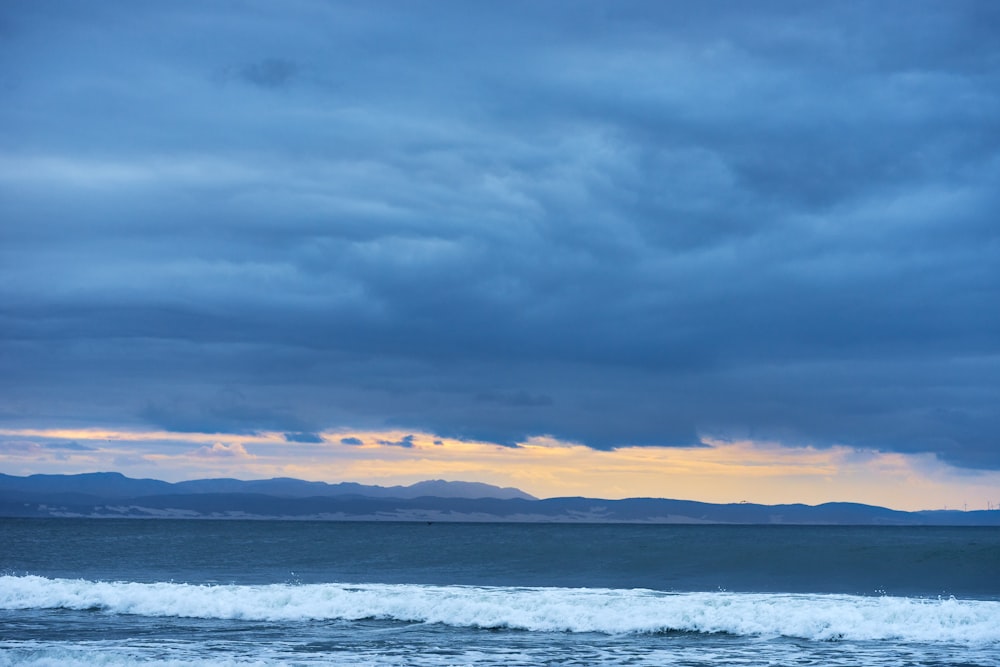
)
(717, 472)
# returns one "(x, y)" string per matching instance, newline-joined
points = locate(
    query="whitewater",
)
(816, 617)
(255, 593)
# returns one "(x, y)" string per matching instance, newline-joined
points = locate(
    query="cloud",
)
(29, 448)
(303, 437)
(520, 399)
(20, 447)
(406, 442)
(351, 441)
(632, 225)
(232, 450)
(227, 410)
(72, 446)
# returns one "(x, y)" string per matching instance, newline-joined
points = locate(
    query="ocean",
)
(229, 592)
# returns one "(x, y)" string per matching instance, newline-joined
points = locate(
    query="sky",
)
(718, 251)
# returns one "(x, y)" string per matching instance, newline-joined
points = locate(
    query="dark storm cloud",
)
(518, 399)
(617, 223)
(226, 412)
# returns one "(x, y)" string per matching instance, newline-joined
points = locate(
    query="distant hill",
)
(112, 495)
(111, 485)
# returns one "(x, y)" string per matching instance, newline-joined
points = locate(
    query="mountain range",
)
(112, 495)
(115, 485)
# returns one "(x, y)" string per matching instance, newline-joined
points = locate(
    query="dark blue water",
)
(270, 592)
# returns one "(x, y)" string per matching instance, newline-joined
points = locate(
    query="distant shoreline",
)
(114, 496)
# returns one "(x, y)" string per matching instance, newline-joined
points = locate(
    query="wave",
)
(610, 611)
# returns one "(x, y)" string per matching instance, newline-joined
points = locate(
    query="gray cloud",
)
(631, 223)
(228, 411)
(303, 437)
(405, 441)
(518, 399)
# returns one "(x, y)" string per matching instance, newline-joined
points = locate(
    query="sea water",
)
(173, 592)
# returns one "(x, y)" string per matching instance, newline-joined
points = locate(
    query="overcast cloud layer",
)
(613, 223)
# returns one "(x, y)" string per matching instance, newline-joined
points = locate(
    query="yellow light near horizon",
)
(543, 466)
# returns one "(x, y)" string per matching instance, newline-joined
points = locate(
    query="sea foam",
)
(610, 611)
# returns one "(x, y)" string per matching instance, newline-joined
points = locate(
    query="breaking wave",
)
(610, 611)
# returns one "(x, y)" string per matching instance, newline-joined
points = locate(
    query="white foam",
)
(610, 611)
